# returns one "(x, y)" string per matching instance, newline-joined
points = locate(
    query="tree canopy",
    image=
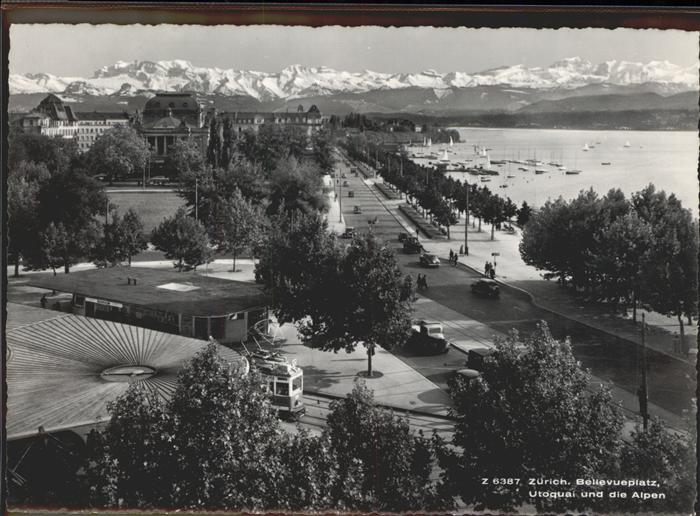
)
(182, 238)
(118, 153)
(523, 417)
(337, 297)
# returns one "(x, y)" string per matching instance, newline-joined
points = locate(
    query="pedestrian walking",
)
(492, 273)
(487, 267)
(425, 282)
(43, 301)
(456, 259)
(451, 255)
(461, 249)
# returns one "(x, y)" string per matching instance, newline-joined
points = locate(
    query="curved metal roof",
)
(55, 371)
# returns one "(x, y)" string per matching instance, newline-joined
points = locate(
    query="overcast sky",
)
(79, 50)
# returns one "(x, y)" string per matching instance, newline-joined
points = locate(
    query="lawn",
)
(151, 206)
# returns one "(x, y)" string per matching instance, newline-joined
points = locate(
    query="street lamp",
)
(466, 223)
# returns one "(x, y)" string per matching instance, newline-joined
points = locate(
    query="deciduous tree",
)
(296, 186)
(382, 465)
(182, 238)
(235, 225)
(184, 158)
(522, 418)
(122, 239)
(118, 153)
(23, 185)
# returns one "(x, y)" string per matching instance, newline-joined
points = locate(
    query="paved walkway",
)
(511, 270)
(335, 374)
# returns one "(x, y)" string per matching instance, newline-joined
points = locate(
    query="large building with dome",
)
(166, 118)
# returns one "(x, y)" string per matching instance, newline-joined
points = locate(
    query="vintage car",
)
(412, 245)
(429, 260)
(486, 287)
(427, 338)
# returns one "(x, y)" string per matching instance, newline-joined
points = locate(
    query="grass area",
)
(151, 206)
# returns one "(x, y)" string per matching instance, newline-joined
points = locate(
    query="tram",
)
(284, 379)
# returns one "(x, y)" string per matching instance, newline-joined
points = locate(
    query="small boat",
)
(585, 147)
(572, 172)
(540, 171)
(498, 161)
(503, 186)
(605, 163)
(553, 164)
(524, 169)
(627, 144)
(485, 179)
(510, 177)
(445, 158)
(451, 142)
(597, 143)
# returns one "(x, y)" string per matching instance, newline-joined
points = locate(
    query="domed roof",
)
(65, 370)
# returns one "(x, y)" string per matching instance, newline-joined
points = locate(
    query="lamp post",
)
(466, 224)
(340, 199)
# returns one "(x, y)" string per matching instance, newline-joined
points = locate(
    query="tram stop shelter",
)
(183, 303)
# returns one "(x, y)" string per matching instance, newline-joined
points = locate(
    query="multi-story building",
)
(311, 120)
(168, 117)
(53, 118)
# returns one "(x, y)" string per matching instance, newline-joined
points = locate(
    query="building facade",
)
(53, 118)
(310, 120)
(169, 117)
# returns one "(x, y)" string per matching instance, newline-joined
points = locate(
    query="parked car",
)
(158, 180)
(468, 375)
(476, 356)
(403, 237)
(412, 245)
(357, 210)
(100, 177)
(351, 193)
(427, 338)
(343, 175)
(486, 287)
(349, 233)
(345, 183)
(429, 260)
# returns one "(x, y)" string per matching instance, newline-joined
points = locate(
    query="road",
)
(317, 409)
(671, 382)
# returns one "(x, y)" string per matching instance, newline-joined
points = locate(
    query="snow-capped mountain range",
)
(296, 81)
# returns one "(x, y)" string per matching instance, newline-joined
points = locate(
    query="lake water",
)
(668, 159)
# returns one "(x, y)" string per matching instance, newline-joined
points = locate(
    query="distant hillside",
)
(617, 102)
(641, 120)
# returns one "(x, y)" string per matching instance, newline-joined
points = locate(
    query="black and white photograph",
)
(327, 266)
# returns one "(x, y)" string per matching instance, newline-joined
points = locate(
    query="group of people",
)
(489, 270)
(422, 282)
(454, 258)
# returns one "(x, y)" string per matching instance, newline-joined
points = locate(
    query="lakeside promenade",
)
(546, 294)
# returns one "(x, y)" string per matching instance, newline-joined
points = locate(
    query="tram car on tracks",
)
(284, 379)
